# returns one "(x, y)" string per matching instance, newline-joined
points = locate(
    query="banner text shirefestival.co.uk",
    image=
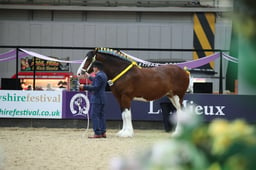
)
(29, 98)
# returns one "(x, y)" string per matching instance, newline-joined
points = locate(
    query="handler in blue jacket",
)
(98, 100)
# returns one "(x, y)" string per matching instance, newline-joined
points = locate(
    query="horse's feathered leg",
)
(124, 125)
(127, 130)
(176, 102)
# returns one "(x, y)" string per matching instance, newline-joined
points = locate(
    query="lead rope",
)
(88, 117)
(86, 92)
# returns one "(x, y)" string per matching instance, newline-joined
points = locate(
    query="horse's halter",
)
(80, 69)
(111, 82)
(90, 65)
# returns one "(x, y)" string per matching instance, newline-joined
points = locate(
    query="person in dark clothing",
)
(167, 110)
(97, 100)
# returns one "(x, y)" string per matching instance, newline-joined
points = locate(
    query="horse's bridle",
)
(111, 82)
(89, 67)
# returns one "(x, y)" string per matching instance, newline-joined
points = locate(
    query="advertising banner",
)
(30, 104)
(76, 105)
(230, 107)
(27, 64)
(207, 106)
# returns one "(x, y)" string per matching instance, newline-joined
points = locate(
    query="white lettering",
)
(151, 108)
(199, 110)
(204, 109)
(210, 108)
(220, 112)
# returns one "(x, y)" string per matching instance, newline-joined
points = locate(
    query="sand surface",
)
(68, 149)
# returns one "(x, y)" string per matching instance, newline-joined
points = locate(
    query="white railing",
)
(217, 3)
(142, 3)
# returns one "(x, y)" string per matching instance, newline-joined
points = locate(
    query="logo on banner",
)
(79, 105)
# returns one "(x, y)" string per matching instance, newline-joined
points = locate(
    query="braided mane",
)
(115, 53)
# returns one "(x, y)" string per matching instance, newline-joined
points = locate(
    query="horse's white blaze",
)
(79, 71)
(127, 130)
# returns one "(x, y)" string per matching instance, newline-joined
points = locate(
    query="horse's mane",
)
(114, 53)
(126, 57)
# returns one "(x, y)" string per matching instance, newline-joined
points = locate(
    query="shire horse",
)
(128, 82)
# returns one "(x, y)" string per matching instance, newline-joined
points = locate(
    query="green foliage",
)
(219, 145)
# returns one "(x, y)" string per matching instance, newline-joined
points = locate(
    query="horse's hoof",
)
(125, 134)
(120, 132)
(176, 133)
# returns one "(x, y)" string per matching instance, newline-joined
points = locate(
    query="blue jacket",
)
(98, 86)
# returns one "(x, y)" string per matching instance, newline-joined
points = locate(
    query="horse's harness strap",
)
(111, 82)
(93, 59)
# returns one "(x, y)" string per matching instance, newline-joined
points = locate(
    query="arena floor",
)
(65, 149)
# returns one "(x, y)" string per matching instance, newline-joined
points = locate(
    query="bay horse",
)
(128, 82)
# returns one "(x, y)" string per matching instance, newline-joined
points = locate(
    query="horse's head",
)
(86, 65)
